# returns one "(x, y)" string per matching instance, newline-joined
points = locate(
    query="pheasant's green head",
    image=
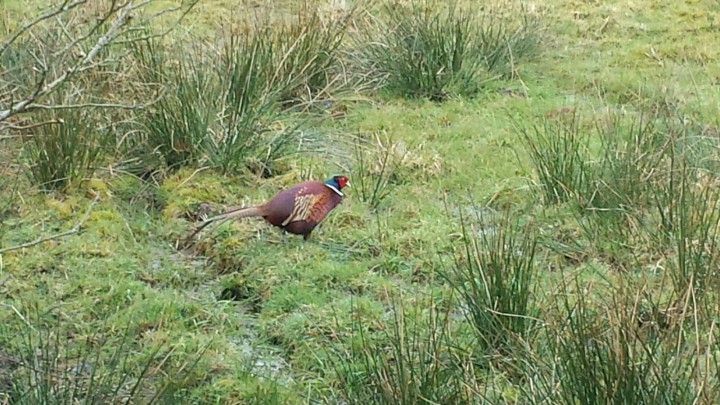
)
(337, 183)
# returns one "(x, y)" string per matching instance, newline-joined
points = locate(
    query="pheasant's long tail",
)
(227, 215)
(235, 213)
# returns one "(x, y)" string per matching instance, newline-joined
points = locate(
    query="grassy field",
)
(544, 231)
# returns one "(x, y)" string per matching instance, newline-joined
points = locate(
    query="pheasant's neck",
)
(338, 192)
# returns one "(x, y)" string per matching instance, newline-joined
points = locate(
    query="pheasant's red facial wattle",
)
(342, 181)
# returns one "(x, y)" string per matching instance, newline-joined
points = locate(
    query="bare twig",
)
(27, 127)
(43, 89)
(66, 6)
(75, 229)
(161, 34)
(90, 105)
(114, 8)
(114, 23)
(200, 170)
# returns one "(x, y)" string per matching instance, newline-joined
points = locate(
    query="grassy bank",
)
(532, 219)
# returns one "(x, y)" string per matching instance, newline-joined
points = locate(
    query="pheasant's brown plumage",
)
(297, 210)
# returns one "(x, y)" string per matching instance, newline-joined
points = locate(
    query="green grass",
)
(437, 50)
(374, 309)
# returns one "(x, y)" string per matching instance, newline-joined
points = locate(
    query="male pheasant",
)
(297, 210)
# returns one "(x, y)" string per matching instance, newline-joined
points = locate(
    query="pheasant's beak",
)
(347, 184)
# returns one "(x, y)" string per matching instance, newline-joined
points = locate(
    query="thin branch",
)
(64, 28)
(13, 127)
(96, 26)
(90, 105)
(75, 229)
(25, 127)
(64, 7)
(188, 9)
(123, 14)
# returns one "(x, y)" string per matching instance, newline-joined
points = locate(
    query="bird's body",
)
(297, 210)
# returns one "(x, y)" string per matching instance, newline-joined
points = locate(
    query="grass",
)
(435, 50)
(47, 365)
(69, 134)
(609, 353)
(411, 361)
(376, 165)
(550, 238)
(224, 106)
(494, 278)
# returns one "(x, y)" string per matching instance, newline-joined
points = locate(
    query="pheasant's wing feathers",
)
(322, 208)
(305, 207)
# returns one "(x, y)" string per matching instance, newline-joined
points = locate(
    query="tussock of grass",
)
(686, 205)
(412, 360)
(311, 61)
(558, 150)
(614, 352)
(646, 178)
(64, 151)
(494, 277)
(376, 165)
(50, 364)
(235, 115)
(436, 50)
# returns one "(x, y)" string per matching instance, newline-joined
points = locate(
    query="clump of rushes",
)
(412, 359)
(227, 107)
(559, 154)
(616, 352)
(48, 366)
(64, 147)
(494, 277)
(438, 50)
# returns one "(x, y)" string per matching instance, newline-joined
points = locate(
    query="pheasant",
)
(297, 210)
